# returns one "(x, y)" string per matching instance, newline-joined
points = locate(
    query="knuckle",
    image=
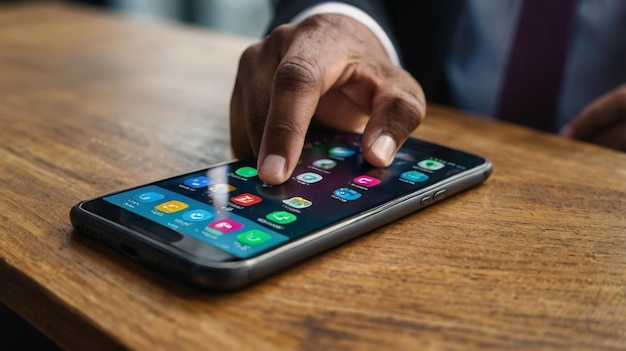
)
(281, 33)
(409, 106)
(249, 57)
(297, 74)
(285, 130)
(408, 111)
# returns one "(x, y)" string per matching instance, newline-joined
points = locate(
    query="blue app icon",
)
(414, 176)
(198, 182)
(347, 194)
(148, 196)
(340, 151)
(197, 215)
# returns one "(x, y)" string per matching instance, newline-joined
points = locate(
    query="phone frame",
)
(231, 275)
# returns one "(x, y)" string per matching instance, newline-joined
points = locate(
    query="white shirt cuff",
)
(356, 14)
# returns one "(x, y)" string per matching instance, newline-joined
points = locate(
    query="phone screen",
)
(229, 208)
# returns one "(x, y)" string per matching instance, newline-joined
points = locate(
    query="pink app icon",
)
(225, 225)
(366, 181)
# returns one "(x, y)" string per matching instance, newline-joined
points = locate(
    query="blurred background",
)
(243, 17)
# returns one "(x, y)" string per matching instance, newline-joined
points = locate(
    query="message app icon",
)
(171, 206)
(297, 202)
(197, 215)
(431, 164)
(341, 151)
(246, 172)
(325, 163)
(281, 217)
(366, 181)
(254, 237)
(246, 199)
(309, 177)
(225, 225)
(198, 182)
(149, 196)
(414, 176)
(347, 194)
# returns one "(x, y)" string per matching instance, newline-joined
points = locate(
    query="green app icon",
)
(281, 217)
(246, 172)
(253, 237)
(431, 164)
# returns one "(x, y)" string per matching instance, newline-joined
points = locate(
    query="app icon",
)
(197, 215)
(246, 172)
(253, 237)
(309, 177)
(347, 194)
(246, 199)
(325, 163)
(221, 188)
(225, 225)
(414, 176)
(366, 181)
(281, 217)
(340, 151)
(198, 182)
(431, 164)
(171, 206)
(149, 196)
(297, 202)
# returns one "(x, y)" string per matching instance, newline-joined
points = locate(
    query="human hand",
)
(330, 66)
(602, 122)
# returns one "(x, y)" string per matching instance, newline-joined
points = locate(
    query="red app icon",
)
(366, 181)
(225, 225)
(246, 199)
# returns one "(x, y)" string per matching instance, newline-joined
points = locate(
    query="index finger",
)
(305, 73)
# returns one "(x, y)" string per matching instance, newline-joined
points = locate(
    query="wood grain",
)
(535, 258)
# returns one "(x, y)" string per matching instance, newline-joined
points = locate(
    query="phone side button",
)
(425, 200)
(439, 195)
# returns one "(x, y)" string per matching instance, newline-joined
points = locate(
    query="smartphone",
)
(222, 228)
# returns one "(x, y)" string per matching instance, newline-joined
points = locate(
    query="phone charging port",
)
(130, 252)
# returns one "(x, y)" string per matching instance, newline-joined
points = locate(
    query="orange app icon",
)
(171, 206)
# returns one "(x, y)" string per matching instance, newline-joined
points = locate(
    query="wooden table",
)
(535, 258)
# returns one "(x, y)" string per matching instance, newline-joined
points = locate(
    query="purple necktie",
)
(536, 63)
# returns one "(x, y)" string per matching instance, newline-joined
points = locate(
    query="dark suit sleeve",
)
(285, 10)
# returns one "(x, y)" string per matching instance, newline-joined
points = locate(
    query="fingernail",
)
(384, 147)
(273, 166)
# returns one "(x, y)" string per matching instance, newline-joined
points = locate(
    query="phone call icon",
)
(281, 217)
(253, 237)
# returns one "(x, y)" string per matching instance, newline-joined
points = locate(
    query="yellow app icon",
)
(171, 206)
